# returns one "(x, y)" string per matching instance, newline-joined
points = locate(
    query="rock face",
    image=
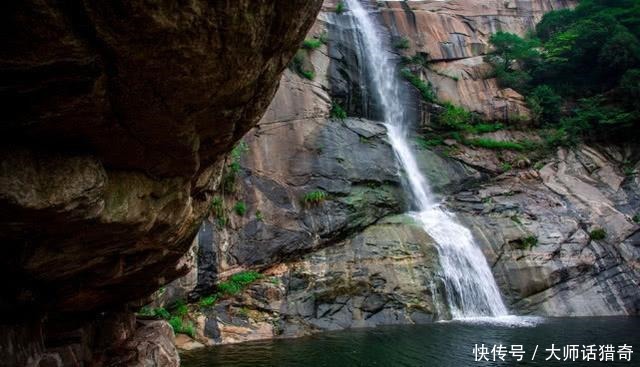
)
(352, 260)
(116, 123)
(562, 271)
(454, 35)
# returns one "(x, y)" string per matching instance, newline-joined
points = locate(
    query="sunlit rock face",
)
(454, 36)
(117, 117)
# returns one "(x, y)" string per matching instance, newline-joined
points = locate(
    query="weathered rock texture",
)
(454, 35)
(564, 272)
(116, 120)
(351, 261)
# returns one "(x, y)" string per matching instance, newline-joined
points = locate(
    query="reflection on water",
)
(445, 344)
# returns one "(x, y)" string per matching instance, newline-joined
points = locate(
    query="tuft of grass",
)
(314, 197)
(209, 301)
(636, 218)
(259, 216)
(402, 44)
(598, 234)
(425, 88)
(506, 166)
(298, 65)
(429, 143)
(482, 128)
(217, 208)
(311, 44)
(337, 112)
(180, 327)
(238, 282)
(240, 208)
(530, 241)
(340, 8)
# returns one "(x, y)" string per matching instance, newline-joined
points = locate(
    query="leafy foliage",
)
(340, 8)
(314, 197)
(590, 55)
(402, 43)
(238, 282)
(598, 234)
(425, 88)
(240, 208)
(311, 44)
(337, 112)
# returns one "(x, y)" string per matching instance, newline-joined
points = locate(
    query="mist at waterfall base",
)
(448, 344)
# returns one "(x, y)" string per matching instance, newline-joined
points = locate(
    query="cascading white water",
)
(470, 287)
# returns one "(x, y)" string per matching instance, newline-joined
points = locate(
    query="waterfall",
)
(471, 290)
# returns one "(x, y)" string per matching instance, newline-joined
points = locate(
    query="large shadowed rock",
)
(116, 120)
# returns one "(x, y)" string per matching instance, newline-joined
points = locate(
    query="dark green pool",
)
(442, 344)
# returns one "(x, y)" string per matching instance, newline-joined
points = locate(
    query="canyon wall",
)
(117, 119)
(353, 259)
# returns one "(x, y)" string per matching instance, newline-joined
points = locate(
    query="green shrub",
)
(259, 216)
(311, 44)
(240, 208)
(314, 197)
(179, 308)
(636, 218)
(298, 64)
(238, 282)
(426, 90)
(454, 117)
(402, 44)
(506, 166)
(340, 8)
(217, 208)
(598, 234)
(544, 104)
(530, 241)
(208, 301)
(179, 327)
(337, 112)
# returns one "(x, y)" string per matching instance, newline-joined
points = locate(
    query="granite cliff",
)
(352, 258)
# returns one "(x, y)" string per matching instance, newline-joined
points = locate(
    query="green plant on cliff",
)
(598, 234)
(314, 197)
(311, 44)
(180, 326)
(340, 7)
(232, 170)
(238, 282)
(300, 64)
(636, 218)
(454, 117)
(402, 43)
(208, 301)
(337, 112)
(218, 211)
(425, 88)
(240, 208)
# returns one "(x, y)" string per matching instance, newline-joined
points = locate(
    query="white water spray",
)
(470, 286)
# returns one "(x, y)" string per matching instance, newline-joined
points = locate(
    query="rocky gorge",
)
(174, 158)
(353, 258)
